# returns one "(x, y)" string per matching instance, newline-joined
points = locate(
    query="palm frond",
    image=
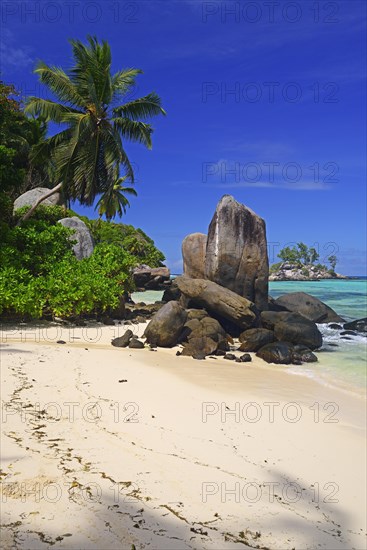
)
(123, 81)
(142, 108)
(134, 130)
(60, 84)
(49, 110)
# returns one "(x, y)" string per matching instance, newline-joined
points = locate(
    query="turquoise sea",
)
(343, 364)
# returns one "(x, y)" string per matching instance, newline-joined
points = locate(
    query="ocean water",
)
(347, 297)
(341, 362)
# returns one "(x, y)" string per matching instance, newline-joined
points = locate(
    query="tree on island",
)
(333, 260)
(290, 255)
(89, 150)
(300, 255)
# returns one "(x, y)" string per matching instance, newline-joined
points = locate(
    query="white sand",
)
(91, 461)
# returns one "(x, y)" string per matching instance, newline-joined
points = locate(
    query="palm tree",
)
(113, 201)
(93, 120)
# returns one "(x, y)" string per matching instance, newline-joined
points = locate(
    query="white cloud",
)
(11, 55)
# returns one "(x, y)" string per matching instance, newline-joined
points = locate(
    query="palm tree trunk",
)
(29, 213)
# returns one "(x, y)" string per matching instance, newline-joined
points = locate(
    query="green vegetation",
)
(18, 135)
(39, 273)
(113, 202)
(302, 255)
(333, 260)
(40, 276)
(134, 241)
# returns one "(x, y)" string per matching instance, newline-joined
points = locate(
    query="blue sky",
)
(264, 100)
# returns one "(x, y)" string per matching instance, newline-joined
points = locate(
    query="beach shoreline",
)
(190, 454)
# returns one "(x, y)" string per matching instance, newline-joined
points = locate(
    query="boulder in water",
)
(310, 307)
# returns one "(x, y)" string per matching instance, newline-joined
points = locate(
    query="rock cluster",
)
(234, 253)
(207, 317)
(151, 278)
(223, 295)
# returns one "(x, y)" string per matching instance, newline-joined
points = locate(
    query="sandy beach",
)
(121, 448)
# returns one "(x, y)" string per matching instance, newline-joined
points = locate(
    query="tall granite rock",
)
(236, 251)
(193, 254)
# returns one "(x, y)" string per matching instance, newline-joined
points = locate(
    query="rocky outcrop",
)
(166, 325)
(360, 325)
(308, 306)
(302, 272)
(236, 251)
(303, 354)
(124, 340)
(196, 314)
(84, 245)
(199, 348)
(255, 338)
(193, 254)
(284, 353)
(151, 278)
(135, 343)
(207, 327)
(292, 327)
(220, 302)
(277, 352)
(299, 331)
(33, 195)
(171, 293)
(141, 312)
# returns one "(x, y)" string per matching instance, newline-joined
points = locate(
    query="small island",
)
(299, 264)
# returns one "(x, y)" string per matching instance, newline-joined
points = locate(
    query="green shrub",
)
(40, 276)
(305, 272)
(46, 213)
(89, 286)
(134, 241)
(35, 246)
(6, 208)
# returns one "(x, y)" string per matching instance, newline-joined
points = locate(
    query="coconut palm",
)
(113, 201)
(94, 123)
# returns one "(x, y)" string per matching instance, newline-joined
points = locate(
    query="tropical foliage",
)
(114, 202)
(301, 254)
(40, 276)
(18, 135)
(333, 260)
(134, 241)
(89, 150)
